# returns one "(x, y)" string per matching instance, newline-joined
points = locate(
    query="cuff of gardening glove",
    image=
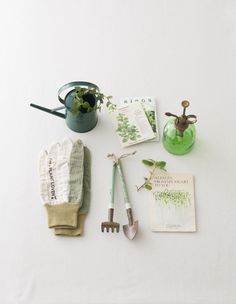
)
(62, 215)
(74, 231)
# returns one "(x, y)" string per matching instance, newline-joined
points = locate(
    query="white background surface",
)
(173, 50)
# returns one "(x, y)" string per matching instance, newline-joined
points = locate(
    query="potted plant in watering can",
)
(80, 100)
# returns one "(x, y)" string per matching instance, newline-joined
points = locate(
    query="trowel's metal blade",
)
(130, 230)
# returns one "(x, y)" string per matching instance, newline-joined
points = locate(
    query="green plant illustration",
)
(173, 197)
(125, 130)
(154, 165)
(151, 118)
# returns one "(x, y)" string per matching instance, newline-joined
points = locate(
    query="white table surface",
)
(173, 50)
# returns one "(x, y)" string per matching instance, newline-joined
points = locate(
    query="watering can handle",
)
(72, 85)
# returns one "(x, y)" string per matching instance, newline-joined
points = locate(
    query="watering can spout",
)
(50, 111)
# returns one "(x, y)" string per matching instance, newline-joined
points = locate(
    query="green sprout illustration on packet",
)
(125, 130)
(173, 197)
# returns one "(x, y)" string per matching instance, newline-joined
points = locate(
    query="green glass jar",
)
(179, 133)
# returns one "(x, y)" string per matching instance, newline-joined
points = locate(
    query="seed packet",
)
(172, 207)
(150, 108)
(131, 125)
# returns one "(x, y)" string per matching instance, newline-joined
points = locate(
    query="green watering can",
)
(78, 122)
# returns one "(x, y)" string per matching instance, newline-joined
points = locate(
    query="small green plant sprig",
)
(89, 99)
(153, 165)
(125, 130)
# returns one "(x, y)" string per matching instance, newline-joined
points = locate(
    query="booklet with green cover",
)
(150, 108)
(131, 125)
(172, 206)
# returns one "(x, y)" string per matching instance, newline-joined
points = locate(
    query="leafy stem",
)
(88, 99)
(154, 165)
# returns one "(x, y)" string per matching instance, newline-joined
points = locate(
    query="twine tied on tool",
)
(117, 159)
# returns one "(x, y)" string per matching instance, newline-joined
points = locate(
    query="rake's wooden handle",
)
(110, 214)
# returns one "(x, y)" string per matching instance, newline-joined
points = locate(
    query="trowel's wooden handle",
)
(130, 216)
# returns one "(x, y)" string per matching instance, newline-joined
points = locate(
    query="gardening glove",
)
(61, 180)
(85, 200)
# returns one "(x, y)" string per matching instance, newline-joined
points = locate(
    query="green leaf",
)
(148, 186)
(86, 105)
(78, 99)
(160, 164)
(148, 162)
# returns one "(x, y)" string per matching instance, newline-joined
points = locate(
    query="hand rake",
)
(110, 224)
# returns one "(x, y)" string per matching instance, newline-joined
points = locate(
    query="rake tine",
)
(110, 227)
